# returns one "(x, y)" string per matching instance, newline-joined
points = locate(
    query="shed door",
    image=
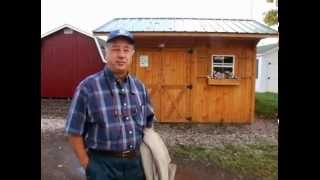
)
(175, 95)
(166, 75)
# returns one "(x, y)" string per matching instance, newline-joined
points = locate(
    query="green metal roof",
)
(186, 25)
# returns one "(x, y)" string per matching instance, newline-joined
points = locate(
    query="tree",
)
(271, 16)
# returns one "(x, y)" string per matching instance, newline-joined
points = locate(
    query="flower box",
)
(233, 82)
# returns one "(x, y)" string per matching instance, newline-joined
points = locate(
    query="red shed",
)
(67, 56)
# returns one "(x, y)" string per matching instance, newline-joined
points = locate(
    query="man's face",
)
(119, 55)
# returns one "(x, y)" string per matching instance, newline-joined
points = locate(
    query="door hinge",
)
(189, 118)
(189, 86)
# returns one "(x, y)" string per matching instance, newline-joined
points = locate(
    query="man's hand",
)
(84, 163)
(77, 144)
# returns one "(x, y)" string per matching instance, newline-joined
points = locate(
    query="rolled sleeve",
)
(77, 113)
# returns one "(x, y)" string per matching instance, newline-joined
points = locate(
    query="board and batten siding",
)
(66, 59)
(176, 79)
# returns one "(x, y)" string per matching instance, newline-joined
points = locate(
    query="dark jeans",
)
(102, 167)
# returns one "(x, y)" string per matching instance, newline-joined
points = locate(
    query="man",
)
(107, 116)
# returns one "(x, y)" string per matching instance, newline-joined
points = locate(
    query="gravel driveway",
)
(59, 162)
(54, 113)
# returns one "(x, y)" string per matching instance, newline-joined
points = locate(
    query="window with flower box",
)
(223, 70)
(222, 66)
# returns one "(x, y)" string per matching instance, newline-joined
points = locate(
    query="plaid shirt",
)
(110, 115)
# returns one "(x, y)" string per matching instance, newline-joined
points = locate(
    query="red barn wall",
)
(65, 60)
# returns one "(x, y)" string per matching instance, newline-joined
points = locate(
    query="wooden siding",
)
(66, 59)
(174, 67)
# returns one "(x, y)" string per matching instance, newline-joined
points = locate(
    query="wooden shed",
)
(68, 55)
(196, 70)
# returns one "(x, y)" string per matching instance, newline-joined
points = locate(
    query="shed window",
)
(67, 31)
(223, 66)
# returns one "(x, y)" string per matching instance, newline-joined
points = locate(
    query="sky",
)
(88, 15)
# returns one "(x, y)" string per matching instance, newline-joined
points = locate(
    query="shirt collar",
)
(109, 74)
(112, 80)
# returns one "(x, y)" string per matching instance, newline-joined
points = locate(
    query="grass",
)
(266, 105)
(259, 160)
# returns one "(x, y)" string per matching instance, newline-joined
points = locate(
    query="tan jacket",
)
(155, 157)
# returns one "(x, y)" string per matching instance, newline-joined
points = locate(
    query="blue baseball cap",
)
(120, 33)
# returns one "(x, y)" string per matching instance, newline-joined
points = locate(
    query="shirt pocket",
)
(138, 115)
(99, 114)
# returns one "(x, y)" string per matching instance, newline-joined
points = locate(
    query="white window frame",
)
(212, 63)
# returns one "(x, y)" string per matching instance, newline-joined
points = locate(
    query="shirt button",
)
(125, 104)
(127, 118)
(131, 146)
(130, 132)
(122, 90)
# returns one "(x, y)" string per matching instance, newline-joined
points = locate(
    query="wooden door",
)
(166, 74)
(175, 86)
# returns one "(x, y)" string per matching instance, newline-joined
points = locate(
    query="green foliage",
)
(271, 17)
(259, 160)
(266, 105)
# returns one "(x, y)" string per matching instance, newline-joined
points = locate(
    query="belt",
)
(123, 154)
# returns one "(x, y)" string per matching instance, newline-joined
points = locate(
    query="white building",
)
(267, 68)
